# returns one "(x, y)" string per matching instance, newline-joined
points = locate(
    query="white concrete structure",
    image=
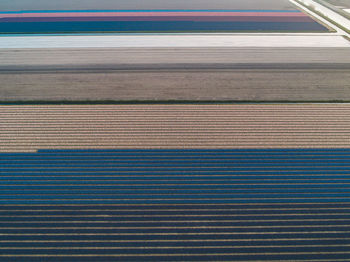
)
(337, 18)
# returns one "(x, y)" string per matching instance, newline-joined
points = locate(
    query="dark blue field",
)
(158, 26)
(177, 205)
(175, 176)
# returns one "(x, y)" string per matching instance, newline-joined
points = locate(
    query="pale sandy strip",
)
(173, 227)
(177, 210)
(170, 204)
(178, 254)
(176, 234)
(172, 221)
(158, 41)
(175, 199)
(32, 127)
(167, 247)
(170, 240)
(202, 259)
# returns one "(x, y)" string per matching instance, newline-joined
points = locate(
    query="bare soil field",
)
(28, 128)
(196, 85)
(264, 74)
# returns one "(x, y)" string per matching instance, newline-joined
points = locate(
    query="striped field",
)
(177, 205)
(75, 21)
(249, 182)
(29, 128)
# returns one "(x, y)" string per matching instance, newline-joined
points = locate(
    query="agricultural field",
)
(159, 18)
(253, 85)
(158, 21)
(32, 127)
(16, 5)
(161, 74)
(191, 141)
(249, 182)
